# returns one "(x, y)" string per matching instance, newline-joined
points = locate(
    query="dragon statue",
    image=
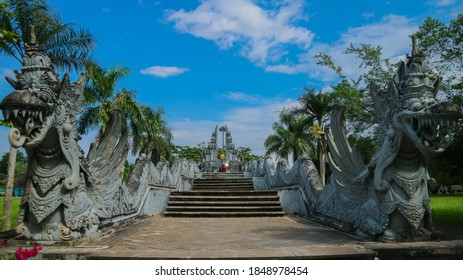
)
(68, 195)
(386, 199)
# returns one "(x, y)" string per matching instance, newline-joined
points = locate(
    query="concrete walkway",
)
(285, 237)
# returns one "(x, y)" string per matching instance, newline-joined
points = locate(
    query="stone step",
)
(221, 188)
(232, 179)
(209, 208)
(206, 214)
(223, 195)
(222, 182)
(206, 203)
(223, 198)
(222, 192)
(222, 175)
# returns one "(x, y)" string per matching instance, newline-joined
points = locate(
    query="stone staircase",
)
(223, 195)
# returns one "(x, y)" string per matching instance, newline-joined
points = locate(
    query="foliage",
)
(5, 123)
(189, 153)
(446, 168)
(246, 155)
(365, 145)
(147, 127)
(355, 92)
(443, 44)
(68, 47)
(128, 167)
(291, 136)
(6, 35)
(221, 152)
(21, 164)
(315, 105)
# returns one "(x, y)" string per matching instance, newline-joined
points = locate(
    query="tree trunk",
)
(322, 157)
(9, 190)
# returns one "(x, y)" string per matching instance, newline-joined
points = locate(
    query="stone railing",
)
(297, 187)
(148, 188)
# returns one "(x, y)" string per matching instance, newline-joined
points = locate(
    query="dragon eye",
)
(417, 106)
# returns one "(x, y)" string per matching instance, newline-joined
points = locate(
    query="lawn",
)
(14, 211)
(447, 210)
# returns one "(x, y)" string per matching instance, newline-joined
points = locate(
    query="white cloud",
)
(163, 71)
(441, 3)
(368, 15)
(392, 33)
(245, 98)
(285, 68)
(261, 35)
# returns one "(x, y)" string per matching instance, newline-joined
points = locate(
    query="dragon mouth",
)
(30, 119)
(432, 130)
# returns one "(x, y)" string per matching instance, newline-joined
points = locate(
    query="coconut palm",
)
(291, 136)
(147, 128)
(100, 97)
(69, 48)
(317, 106)
(152, 134)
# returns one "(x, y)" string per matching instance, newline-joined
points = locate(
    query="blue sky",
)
(235, 62)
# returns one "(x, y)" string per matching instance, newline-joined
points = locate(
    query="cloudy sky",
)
(235, 62)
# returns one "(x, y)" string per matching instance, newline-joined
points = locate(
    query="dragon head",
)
(411, 101)
(39, 98)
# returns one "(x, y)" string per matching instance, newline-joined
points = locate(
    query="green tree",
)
(317, 106)
(246, 154)
(195, 154)
(356, 92)
(68, 47)
(444, 45)
(147, 128)
(6, 34)
(20, 166)
(291, 136)
(151, 132)
(100, 95)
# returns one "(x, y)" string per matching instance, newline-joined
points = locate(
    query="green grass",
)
(14, 211)
(447, 210)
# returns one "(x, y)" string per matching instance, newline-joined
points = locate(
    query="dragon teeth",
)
(15, 113)
(40, 116)
(6, 113)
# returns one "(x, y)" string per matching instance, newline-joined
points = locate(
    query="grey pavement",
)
(287, 237)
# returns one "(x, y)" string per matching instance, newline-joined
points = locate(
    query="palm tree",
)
(291, 136)
(147, 128)
(317, 106)
(152, 133)
(67, 47)
(100, 97)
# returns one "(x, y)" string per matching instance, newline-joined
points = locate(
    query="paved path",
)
(287, 237)
(220, 238)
